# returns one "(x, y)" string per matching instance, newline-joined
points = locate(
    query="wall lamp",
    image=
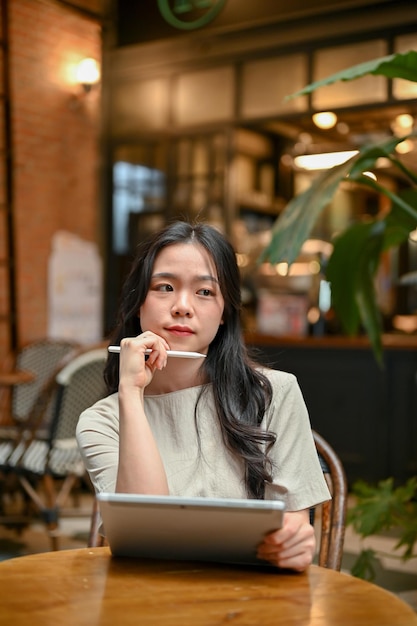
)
(87, 74)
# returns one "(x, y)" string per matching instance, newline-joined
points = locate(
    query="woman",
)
(219, 425)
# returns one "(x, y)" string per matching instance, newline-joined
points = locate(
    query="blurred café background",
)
(118, 116)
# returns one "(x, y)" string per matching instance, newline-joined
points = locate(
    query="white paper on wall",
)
(74, 289)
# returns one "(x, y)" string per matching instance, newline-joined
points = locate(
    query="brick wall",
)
(55, 145)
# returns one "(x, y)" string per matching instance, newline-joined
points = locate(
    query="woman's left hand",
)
(292, 546)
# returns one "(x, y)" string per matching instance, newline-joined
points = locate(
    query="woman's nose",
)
(182, 306)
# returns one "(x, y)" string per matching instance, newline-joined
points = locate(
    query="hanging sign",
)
(143, 21)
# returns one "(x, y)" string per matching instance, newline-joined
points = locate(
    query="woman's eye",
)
(164, 287)
(205, 292)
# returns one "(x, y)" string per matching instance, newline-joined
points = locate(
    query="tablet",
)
(197, 529)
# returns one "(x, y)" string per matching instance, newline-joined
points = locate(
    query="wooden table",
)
(89, 587)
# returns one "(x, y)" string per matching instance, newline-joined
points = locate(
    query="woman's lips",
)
(180, 331)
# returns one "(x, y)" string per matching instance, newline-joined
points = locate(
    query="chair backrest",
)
(80, 384)
(332, 520)
(43, 359)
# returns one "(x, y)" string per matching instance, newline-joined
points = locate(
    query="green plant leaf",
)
(356, 255)
(365, 293)
(401, 65)
(404, 201)
(369, 154)
(351, 271)
(341, 273)
(408, 539)
(399, 223)
(373, 510)
(365, 564)
(297, 220)
(412, 176)
(384, 507)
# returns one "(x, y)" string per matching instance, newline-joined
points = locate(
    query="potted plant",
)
(357, 250)
(379, 509)
(351, 271)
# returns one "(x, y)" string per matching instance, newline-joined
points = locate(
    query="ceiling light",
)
(325, 119)
(323, 161)
(317, 246)
(282, 269)
(342, 128)
(405, 147)
(382, 162)
(305, 138)
(404, 121)
(402, 124)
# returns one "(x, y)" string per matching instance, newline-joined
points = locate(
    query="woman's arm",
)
(292, 546)
(140, 468)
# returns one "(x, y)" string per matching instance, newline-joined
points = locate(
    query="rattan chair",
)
(331, 519)
(48, 469)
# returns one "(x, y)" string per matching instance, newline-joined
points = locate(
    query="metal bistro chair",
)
(333, 513)
(24, 406)
(41, 358)
(48, 469)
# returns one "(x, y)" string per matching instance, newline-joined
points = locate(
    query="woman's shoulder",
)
(106, 406)
(101, 417)
(287, 399)
(285, 387)
(278, 378)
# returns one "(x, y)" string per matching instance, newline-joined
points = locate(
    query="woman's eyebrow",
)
(172, 276)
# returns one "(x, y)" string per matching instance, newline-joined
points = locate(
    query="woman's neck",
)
(177, 375)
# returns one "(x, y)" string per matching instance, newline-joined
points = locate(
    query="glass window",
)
(141, 105)
(266, 83)
(136, 189)
(204, 97)
(361, 91)
(403, 89)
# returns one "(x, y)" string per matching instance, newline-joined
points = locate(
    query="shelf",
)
(390, 341)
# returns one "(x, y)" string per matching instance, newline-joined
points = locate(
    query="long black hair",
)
(242, 393)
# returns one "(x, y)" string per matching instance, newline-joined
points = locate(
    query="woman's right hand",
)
(136, 367)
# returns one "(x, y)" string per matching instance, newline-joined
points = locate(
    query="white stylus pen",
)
(176, 353)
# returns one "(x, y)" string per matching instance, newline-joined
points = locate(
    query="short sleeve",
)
(297, 475)
(98, 440)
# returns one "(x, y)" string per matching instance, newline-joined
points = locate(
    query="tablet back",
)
(204, 529)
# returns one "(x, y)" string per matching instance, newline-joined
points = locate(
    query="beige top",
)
(197, 462)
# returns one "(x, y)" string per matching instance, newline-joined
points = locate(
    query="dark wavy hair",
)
(241, 392)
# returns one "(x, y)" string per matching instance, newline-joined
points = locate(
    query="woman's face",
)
(184, 304)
